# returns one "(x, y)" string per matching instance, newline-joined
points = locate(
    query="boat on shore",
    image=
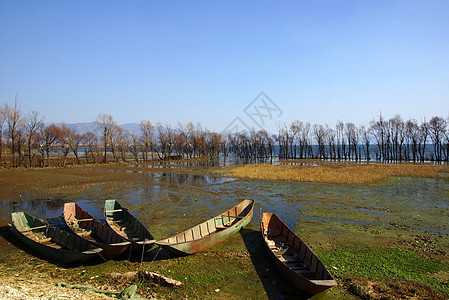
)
(211, 232)
(293, 258)
(50, 241)
(81, 223)
(128, 226)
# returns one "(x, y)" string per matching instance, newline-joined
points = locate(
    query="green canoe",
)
(209, 233)
(127, 225)
(51, 241)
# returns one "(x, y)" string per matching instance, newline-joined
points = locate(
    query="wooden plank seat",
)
(44, 241)
(85, 233)
(279, 252)
(34, 228)
(288, 258)
(113, 211)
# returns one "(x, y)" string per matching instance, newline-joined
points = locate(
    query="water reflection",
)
(228, 160)
(39, 207)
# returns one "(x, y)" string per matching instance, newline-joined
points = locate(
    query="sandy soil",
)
(17, 288)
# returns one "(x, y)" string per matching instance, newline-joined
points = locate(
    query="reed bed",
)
(346, 173)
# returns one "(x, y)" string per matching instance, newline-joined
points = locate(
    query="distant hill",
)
(131, 127)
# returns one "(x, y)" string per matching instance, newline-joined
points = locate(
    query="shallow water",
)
(177, 201)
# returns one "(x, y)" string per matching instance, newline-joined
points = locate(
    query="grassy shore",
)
(341, 173)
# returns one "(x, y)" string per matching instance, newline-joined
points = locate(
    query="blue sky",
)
(170, 62)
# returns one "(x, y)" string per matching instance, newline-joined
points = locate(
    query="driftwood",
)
(145, 275)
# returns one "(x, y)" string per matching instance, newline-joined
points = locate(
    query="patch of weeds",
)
(383, 263)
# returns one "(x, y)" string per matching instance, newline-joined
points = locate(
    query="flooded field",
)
(398, 221)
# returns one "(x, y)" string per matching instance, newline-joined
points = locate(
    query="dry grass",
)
(348, 173)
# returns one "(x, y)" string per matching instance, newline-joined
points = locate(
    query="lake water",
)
(173, 202)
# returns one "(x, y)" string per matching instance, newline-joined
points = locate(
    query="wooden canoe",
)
(127, 225)
(51, 241)
(81, 223)
(211, 232)
(295, 261)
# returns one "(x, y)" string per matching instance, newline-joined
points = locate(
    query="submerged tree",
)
(437, 128)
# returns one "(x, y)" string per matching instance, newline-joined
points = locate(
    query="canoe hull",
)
(291, 256)
(128, 226)
(206, 235)
(80, 222)
(64, 255)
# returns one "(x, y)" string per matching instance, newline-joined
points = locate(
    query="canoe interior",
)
(221, 222)
(125, 224)
(49, 236)
(290, 251)
(89, 228)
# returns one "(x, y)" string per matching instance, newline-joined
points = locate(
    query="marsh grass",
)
(345, 173)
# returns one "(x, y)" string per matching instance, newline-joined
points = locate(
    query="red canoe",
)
(81, 223)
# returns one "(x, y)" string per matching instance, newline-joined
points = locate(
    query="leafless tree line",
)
(384, 140)
(25, 140)
(391, 140)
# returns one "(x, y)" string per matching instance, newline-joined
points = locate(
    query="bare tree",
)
(13, 119)
(147, 138)
(319, 131)
(295, 129)
(331, 136)
(165, 136)
(34, 123)
(424, 134)
(189, 131)
(437, 127)
(378, 128)
(341, 145)
(179, 141)
(122, 142)
(50, 135)
(20, 141)
(366, 138)
(2, 122)
(92, 146)
(135, 146)
(115, 140)
(106, 123)
(412, 138)
(282, 139)
(446, 140)
(74, 140)
(63, 141)
(351, 135)
(396, 126)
